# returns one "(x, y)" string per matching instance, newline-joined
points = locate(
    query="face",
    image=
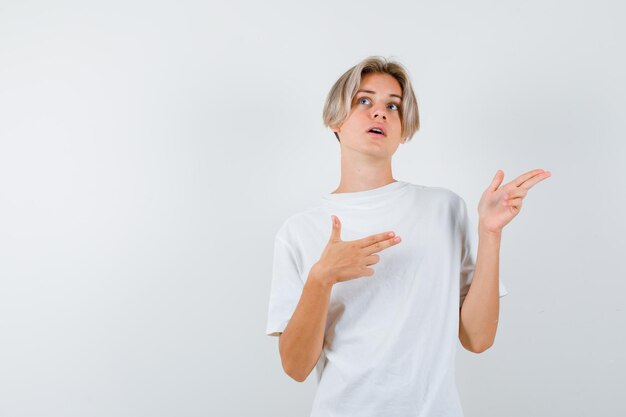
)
(375, 105)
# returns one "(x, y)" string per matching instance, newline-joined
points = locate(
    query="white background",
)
(149, 151)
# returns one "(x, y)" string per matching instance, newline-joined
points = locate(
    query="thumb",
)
(336, 231)
(497, 180)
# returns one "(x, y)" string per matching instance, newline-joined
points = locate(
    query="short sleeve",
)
(286, 288)
(469, 249)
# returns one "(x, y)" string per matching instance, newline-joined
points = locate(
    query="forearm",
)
(301, 343)
(480, 310)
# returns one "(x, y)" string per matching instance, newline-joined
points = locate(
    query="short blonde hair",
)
(339, 100)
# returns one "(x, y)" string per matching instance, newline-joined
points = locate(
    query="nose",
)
(380, 113)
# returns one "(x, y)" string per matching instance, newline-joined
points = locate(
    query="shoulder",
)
(440, 194)
(296, 223)
(442, 203)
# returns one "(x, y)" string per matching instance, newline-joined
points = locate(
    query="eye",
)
(395, 106)
(360, 100)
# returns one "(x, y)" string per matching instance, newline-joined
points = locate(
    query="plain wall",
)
(149, 151)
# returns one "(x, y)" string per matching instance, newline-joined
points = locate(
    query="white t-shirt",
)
(391, 338)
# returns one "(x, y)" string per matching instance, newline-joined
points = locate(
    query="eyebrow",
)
(374, 92)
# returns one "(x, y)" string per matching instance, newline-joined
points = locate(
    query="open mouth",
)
(376, 132)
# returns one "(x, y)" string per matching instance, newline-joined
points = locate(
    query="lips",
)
(377, 129)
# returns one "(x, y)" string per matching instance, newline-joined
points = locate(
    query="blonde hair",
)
(339, 100)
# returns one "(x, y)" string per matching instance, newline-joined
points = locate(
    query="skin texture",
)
(366, 161)
(478, 320)
(346, 260)
(366, 164)
(301, 343)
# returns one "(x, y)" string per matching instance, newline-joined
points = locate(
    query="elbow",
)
(476, 344)
(294, 372)
(479, 347)
(298, 378)
(294, 366)
(296, 375)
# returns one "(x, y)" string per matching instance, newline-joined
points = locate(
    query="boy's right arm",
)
(301, 342)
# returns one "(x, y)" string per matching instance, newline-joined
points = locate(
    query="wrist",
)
(320, 275)
(484, 232)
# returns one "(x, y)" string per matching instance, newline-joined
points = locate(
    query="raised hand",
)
(498, 206)
(346, 260)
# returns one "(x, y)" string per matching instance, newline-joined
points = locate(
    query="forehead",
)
(381, 83)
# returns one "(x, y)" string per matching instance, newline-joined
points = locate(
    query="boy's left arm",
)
(478, 316)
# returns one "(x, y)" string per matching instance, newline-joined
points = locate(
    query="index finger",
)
(534, 180)
(531, 178)
(377, 238)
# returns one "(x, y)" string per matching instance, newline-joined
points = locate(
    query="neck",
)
(363, 172)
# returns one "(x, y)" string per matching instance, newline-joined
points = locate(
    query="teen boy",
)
(378, 306)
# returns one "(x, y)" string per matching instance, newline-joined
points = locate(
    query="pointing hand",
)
(498, 206)
(346, 260)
